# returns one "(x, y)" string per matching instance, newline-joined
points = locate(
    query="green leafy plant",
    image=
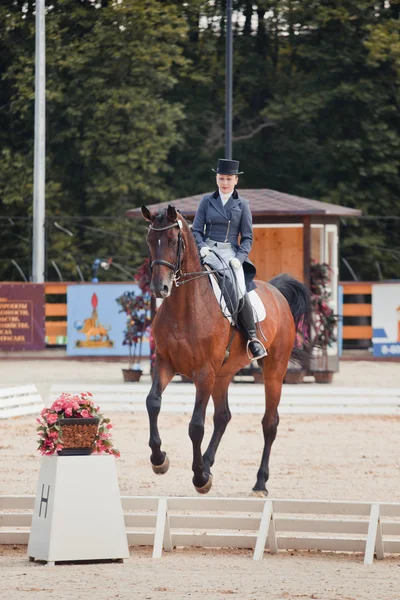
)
(324, 318)
(137, 308)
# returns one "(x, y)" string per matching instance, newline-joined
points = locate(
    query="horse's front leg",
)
(163, 373)
(202, 481)
(222, 416)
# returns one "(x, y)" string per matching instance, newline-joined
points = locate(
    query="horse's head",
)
(166, 245)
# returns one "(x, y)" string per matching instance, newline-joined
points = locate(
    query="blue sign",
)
(95, 325)
(386, 319)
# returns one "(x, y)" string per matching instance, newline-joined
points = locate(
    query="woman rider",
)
(221, 219)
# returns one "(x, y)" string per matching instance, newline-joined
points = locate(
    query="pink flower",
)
(72, 405)
(52, 418)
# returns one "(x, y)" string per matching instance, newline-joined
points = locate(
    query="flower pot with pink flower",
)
(324, 320)
(73, 425)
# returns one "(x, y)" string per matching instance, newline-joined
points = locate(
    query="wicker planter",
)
(294, 376)
(323, 376)
(132, 374)
(78, 436)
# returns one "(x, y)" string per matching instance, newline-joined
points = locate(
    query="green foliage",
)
(135, 114)
(110, 123)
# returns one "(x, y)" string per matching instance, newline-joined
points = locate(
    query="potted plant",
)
(324, 320)
(73, 425)
(298, 366)
(137, 309)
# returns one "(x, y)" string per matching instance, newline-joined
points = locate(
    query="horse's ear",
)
(147, 216)
(172, 215)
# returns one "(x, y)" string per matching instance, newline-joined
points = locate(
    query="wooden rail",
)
(56, 313)
(357, 310)
(279, 524)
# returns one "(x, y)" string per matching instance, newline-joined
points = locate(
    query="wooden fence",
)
(56, 313)
(357, 307)
(334, 526)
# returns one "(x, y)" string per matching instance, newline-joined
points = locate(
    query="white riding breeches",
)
(225, 252)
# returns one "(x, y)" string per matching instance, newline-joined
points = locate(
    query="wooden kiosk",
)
(289, 232)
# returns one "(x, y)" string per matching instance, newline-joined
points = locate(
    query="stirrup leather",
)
(265, 352)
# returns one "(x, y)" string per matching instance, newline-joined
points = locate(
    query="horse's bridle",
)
(176, 268)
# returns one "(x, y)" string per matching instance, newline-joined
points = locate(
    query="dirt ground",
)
(324, 457)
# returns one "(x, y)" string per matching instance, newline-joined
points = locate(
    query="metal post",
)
(38, 265)
(228, 81)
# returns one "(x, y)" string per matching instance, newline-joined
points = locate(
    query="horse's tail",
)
(299, 300)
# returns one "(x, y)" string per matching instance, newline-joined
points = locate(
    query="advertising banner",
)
(22, 316)
(386, 319)
(95, 326)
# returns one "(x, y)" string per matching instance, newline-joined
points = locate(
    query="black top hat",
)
(228, 167)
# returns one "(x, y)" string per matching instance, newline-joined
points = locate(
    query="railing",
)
(56, 313)
(357, 308)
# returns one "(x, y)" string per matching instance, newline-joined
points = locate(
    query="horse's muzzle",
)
(161, 290)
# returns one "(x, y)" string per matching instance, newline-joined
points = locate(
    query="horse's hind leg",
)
(222, 416)
(163, 373)
(270, 421)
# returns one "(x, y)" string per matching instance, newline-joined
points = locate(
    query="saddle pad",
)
(258, 307)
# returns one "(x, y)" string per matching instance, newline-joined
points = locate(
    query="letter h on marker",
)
(44, 500)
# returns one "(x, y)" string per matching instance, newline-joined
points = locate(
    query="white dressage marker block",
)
(78, 511)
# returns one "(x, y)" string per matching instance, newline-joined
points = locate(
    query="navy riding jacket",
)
(227, 223)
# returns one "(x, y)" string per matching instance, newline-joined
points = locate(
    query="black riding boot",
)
(229, 292)
(246, 323)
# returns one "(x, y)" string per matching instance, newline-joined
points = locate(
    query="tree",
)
(110, 123)
(342, 111)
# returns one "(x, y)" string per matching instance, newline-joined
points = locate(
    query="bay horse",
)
(191, 336)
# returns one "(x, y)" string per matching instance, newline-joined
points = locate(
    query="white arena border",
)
(248, 398)
(20, 401)
(371, 528)
(178, 398)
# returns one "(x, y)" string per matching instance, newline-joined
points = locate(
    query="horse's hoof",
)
(259, 493)
(206, 488)
(161, 469)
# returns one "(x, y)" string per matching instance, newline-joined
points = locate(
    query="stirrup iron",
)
(265, 351)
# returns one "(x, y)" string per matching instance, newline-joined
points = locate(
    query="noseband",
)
(176, 268)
